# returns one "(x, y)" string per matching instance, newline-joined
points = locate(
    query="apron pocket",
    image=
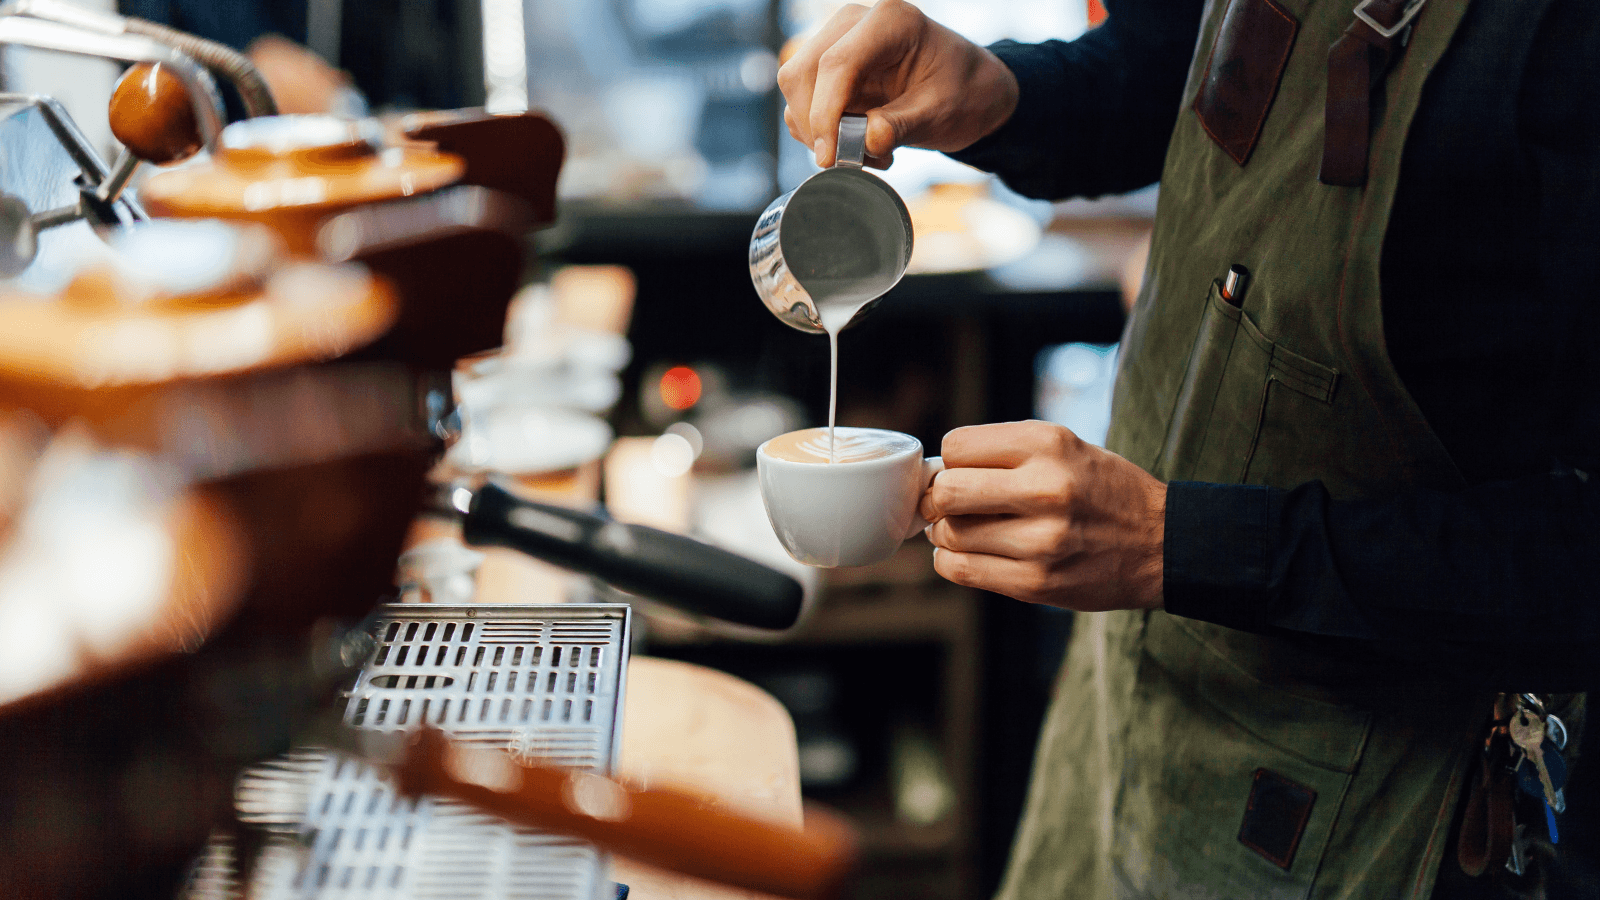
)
(1229, 783)
(1233, 369)
(1297, 397)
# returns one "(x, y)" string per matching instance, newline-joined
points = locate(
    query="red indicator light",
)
(680, 387)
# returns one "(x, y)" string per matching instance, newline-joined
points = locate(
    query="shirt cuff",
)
(1031, 64)
(1215, 554)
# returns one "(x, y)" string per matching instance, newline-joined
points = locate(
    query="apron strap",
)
(1357, 63)
(1487, 822)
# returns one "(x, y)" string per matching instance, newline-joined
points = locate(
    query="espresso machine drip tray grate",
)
(539, 681)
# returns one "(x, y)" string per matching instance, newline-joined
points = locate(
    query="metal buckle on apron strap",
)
(1357, 64)
(1389, 31)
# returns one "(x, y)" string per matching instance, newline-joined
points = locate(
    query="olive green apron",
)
(1161, 724)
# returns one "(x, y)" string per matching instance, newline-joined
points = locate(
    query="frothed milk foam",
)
(850, 445)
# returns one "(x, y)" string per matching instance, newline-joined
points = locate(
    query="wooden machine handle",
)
(671, 829)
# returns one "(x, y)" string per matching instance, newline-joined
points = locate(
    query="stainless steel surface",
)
(121, 173)
(851, 145)
(843, 235)
(16, 27)
(219, 58)
(66, 28)
(544, 681)
(46, 166)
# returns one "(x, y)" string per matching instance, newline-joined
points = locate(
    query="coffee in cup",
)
(852, 511)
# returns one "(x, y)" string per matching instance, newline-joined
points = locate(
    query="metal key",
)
(1527, 732)
(1556, 731)
(1516, 863)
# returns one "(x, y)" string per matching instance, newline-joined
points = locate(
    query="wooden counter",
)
(709, 732)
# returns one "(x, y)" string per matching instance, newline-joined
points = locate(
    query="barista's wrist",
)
(997, 85)
(1150, 575)
(1215, 553)
(1021, 79)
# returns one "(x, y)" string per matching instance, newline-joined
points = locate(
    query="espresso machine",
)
(248, 396)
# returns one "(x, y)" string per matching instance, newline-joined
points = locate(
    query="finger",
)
(900, 121)
(1027, 581)
(797, 77)
(970, 491)
(882, 136)
(1014, 537)
(919, 117)
(876, 42)
(793, 125)
(1006, 445)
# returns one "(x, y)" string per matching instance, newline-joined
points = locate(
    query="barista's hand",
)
(919, 83)
(1028, 510)
(300, 81)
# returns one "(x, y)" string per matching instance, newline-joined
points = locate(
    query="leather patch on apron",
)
(1242, 74)
(1275, 817)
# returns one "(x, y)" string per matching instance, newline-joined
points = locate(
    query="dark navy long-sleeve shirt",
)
(1491, 298)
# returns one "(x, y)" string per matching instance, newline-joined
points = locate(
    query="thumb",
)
(908, 120)
(883, 131)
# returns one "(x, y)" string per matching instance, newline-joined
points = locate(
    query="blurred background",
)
(640, 370)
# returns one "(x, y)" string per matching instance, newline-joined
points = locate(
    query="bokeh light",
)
(680, 387)
(672, 455)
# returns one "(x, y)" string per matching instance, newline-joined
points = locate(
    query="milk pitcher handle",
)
(931, 466)
(852, 142)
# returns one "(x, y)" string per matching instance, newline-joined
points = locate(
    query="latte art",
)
(850, 445)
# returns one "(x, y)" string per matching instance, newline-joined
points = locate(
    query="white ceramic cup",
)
(848, 513)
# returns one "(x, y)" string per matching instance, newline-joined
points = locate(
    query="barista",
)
(1346, 507)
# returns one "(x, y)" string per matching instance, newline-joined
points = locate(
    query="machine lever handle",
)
(666, 827)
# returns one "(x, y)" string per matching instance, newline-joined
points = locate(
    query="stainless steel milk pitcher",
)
(843, 236)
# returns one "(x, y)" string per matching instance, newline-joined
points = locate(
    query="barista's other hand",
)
(919, 83)
(299, 79)
(1028, 510)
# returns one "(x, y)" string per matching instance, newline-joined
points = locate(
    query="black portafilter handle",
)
(676, 570)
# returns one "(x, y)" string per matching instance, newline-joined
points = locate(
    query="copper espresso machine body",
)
(563, 708)
(438, 204)
(322, 518)
(316, 464)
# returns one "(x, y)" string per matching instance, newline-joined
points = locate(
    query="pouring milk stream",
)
(835, 316)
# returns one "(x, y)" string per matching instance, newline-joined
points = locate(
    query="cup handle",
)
(931, 466)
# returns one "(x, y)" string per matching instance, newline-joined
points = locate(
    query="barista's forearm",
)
(1095, 114)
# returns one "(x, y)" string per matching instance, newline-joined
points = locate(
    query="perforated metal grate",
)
(540, 681)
